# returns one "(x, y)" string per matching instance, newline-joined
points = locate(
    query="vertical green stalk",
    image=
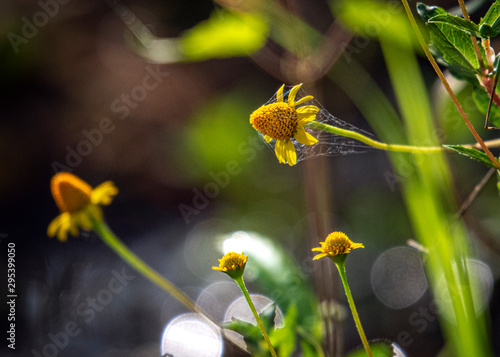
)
(138, 264)
(341, 267)
(241, 284)
(431, 203)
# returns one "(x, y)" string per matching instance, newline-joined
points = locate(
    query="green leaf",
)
(224, 34)
(375, 19)
(489, 26)
(379, 349)
(472, 154)
(283, 339)
(449, 44)
(482, 100)
(459, 23)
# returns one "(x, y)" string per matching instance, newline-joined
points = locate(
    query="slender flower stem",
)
(244, 290)
(376, 144)
(138, 264)
(388, 147)
(341, 267)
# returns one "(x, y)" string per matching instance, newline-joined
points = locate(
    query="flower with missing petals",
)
(336, 244)
(233, 264)
(79, 204)
(283, 121)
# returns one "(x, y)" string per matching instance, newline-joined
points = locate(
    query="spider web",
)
(328, 144)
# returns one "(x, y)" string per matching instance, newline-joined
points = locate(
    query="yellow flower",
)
(336, 243)
(233, 264)
(282, 121)
(78, 202)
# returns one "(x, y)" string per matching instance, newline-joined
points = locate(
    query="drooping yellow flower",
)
(284, 121)
(335, 244)
(78, 203)
(233, 264)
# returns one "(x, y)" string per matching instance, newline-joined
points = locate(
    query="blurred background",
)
(149, 95)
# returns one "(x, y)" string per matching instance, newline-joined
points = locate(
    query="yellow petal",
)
(316, 257)
(104, 193)
(279, 94)
(267, 138)
(305, 118)
(280, 153)
(308, 109)
(291, 155)
(304, 137)
(293, 93)
(304, 99)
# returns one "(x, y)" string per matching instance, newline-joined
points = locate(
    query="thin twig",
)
(472, 196)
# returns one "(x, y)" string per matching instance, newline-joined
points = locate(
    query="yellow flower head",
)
(233, 264)
(335, 244)
(282, 121)
(78, 202)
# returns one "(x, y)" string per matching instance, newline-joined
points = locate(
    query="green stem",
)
(376, 144)
(390, 147)
(138, 264)
(341, 267)
(244, 290)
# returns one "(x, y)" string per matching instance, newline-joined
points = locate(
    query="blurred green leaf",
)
(224, 34)
(214, 133)
(472, 154)
(379, 349)
(451, 45)
(482, 100)
(373, 19)
(459, 23)
(489, 26)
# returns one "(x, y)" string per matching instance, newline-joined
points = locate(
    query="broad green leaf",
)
(450, 44)
(459, 23)
(472, 154)
(482, 100)
(224, 34)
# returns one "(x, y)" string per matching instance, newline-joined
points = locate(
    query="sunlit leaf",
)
(472, 154)
(224, 34)
(373, 19)
(459, 23)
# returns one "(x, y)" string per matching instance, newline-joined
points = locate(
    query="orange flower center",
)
(232, 261)
(276, 120)
(338, 243)
(70, 192)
